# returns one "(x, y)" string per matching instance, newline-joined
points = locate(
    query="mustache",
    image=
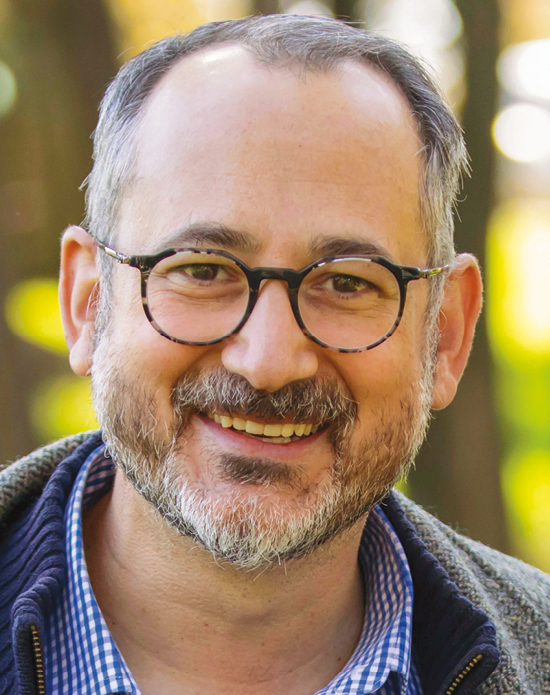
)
(319, 401)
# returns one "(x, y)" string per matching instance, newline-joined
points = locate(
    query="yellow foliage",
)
(142, 22)
(62, 406)
(8, 89)
(403, 486)
(526, 486)
(519, 282)
(32, 313)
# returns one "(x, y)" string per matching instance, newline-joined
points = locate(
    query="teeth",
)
(254, 427)
(277, 440)
(288, 430)
(275, 433)
(272, 430)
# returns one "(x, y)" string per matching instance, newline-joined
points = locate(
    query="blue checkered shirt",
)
(82, 657)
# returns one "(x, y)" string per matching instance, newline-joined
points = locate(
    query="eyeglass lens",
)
(346, 303)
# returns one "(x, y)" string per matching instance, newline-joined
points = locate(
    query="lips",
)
(276, 433)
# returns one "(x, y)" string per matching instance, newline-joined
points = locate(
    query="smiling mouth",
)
(272, 433)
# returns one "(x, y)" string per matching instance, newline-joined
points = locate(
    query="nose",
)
(270, 350)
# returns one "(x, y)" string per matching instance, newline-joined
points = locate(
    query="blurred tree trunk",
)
(348, 11)
(265, 7)
(458, 469)
(62, 56)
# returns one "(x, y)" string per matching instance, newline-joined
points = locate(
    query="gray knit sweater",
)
(514, 595)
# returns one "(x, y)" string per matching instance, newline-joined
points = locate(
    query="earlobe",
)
(457, 320)
(78, 290)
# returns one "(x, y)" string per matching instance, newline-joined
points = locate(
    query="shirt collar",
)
(385, 643)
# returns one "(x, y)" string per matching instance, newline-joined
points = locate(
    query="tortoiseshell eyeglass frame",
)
(255, 276)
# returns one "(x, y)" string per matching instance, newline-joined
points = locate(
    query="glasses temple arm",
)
(431, 272)
(120, 257)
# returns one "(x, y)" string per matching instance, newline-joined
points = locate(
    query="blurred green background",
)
(486, 465)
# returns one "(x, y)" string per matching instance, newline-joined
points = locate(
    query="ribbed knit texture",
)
(447, 568)
(462, 589)
(31, 550)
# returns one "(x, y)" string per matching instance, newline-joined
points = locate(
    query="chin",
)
(254, 527)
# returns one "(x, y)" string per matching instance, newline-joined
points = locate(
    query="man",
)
(265, 195)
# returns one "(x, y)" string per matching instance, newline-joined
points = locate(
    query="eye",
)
(347, 284)
(202, 271)
(206, 273)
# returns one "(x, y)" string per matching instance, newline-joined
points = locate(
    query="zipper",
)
(38, 660)
(462, 675)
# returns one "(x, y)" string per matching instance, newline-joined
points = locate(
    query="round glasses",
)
(200, 296)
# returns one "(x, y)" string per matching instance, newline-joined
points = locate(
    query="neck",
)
(187, 624)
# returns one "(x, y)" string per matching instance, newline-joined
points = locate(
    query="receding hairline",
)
(299, 71)
(294, 67)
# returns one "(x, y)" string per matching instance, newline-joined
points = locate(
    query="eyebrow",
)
(346, 246)
(211, 234)
(217, 235)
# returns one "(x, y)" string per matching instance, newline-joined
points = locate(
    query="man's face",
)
(299, 165)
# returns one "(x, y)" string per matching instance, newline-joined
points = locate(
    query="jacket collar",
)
(454, 641)
(32, 568)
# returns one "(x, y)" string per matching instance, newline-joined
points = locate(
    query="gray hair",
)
(285, 41)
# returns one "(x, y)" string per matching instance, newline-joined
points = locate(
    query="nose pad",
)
(271, 350)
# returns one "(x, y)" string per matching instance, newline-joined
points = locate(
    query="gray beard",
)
(246, 527)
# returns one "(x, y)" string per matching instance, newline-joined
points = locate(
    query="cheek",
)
(146, 357)
(380, 379)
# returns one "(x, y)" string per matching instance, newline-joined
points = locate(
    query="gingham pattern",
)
(382, 661)
(82, 657)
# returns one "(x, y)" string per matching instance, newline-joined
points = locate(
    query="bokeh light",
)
(519, 279)
(431, 30)
(522, 132)
(526, 487)
(8, 90)
(142, 22)
(310, 8)
(62, 406)
(32, 313)
(524, 69)
(420, 24)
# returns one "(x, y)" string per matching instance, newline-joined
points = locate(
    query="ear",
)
(457, 320)
(78, 290)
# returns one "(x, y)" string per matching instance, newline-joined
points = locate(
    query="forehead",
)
(280, 153)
